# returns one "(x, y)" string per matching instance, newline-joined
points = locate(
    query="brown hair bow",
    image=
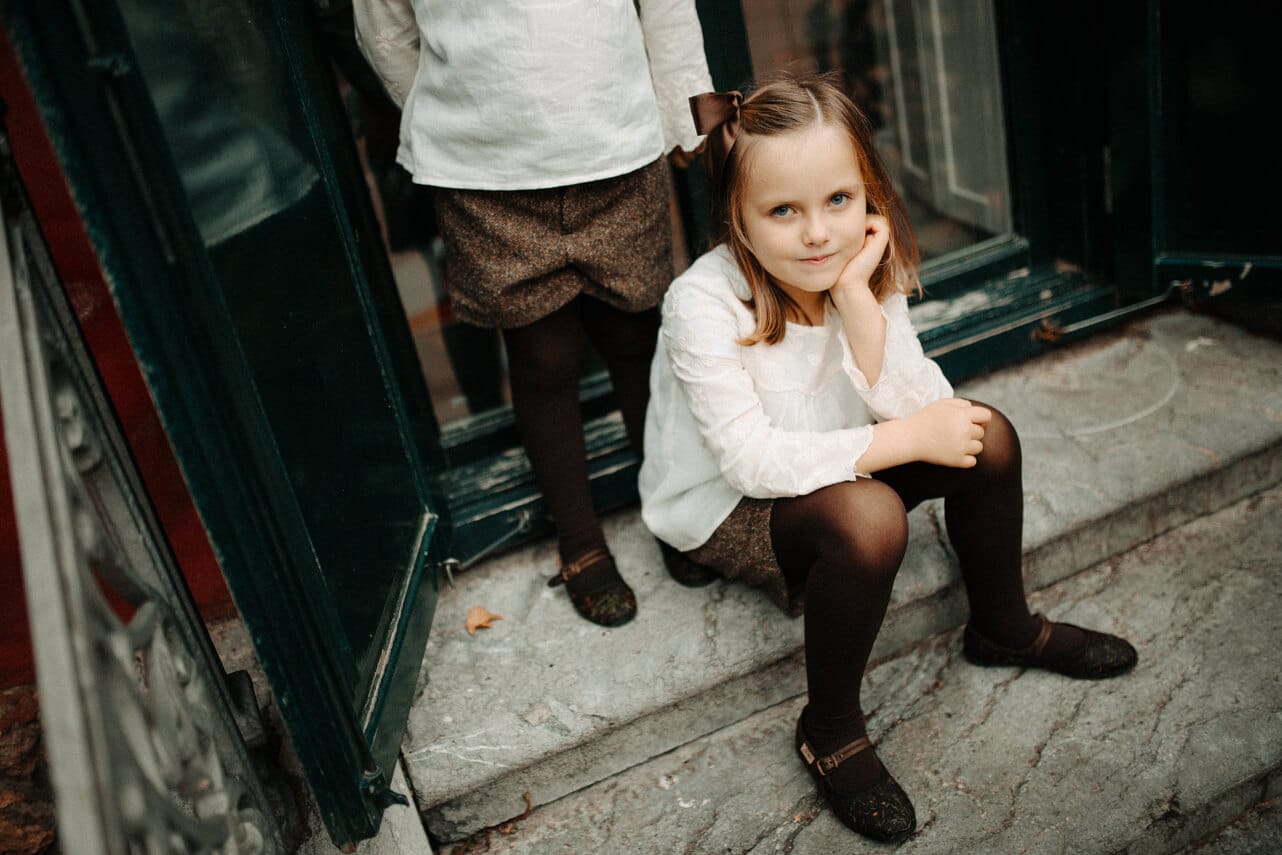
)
(717, 115)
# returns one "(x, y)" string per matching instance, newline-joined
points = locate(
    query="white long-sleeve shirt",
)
(767, 421)
(502, 95)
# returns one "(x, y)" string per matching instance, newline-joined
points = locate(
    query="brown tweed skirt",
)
(513, 257)
(740, 550)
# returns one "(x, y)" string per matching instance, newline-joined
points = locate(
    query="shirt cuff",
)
(862, 444)
(673, 96)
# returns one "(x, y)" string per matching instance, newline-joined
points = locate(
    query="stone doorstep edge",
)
(1148, 517)
(630, 744)
(1261, 805)
(1178, 827)
(579, 766)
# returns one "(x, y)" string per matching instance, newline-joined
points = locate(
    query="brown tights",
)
(545, 362)
(844, 543)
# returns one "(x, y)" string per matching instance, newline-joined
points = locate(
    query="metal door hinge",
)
(524, 522)
(379, 789)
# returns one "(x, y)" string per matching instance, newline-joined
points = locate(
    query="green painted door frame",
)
(222, 232)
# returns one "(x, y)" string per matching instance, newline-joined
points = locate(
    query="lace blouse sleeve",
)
(678, 66)
(909, 380)
(387, 35)
(755, 457)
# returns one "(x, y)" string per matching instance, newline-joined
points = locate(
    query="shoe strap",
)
(1034, 648)
(573, 568)
(1043, 636)
(825, 765)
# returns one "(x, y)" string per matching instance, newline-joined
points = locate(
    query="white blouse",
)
(767, 421)
(497, 95)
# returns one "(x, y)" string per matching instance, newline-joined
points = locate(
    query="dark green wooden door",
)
(1214, 102)
(204, 145)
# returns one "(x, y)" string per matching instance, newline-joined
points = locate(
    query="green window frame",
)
(1061, 275)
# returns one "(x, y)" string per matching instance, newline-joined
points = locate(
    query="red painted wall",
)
(15, 641)
(104, 334)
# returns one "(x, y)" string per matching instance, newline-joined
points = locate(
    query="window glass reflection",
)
(926, 74)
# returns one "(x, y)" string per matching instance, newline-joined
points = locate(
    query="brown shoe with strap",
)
(610, 602)
(684, 570)
(881, 812)
(1098, 657)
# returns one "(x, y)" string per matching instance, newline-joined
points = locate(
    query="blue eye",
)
(780, 211)
(840, 199)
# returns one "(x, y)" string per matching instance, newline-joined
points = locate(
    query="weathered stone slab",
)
(1010, 761)
(1257, 831)
(1124, 437)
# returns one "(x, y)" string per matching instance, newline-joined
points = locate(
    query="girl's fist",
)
(950, 432)
(859, 269)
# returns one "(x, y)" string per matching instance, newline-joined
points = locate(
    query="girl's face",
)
(803, 208)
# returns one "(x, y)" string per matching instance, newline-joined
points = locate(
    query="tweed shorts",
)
(740, 549)
(513, 257)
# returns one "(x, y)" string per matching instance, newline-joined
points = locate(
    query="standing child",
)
(542, 128)
(794, 420)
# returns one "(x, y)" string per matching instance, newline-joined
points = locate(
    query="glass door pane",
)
(200, 154)
(253, 175)
(927, 76)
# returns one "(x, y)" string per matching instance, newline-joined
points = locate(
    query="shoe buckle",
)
(574, 568)
(827, 764)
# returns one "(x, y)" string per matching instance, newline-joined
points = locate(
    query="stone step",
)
(1002, 760)
(1125, 436)
(1257, 831)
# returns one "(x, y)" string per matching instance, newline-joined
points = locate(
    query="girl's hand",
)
(949, 432)
(681, 158)
(859, 269)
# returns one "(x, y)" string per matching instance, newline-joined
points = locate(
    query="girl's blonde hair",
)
(782, 104)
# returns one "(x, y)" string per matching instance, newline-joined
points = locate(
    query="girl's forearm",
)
(865, 326)
(948, 432)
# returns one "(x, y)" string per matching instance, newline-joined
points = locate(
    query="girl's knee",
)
(870, 524)
(1001, 454)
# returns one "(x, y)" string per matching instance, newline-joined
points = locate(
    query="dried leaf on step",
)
(479, 618)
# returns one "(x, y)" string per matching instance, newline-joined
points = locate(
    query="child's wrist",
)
(855, 295)
(912, 436)
(895, 442)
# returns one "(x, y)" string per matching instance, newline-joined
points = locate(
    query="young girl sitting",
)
(794, 420)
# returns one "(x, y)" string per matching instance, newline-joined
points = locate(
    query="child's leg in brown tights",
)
(845, 543)
(545, 361)
(626, 342)
(984, 516)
